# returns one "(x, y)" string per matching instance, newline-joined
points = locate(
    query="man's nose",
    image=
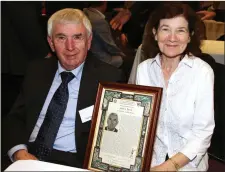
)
(70, 44)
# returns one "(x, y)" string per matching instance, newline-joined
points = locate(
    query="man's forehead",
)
(77, 28)
(113, 115)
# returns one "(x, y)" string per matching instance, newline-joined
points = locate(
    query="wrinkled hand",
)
(123, 39)
(120, 19)
(166, 166)
(206, 15)
(23, 155)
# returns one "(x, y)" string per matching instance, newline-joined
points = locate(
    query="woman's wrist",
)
(175, 164)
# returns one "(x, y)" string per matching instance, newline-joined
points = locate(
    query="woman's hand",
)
(173, 164)
(166, 166)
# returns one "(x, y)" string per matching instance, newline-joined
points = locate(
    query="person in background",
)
(186, 120)
(22, 41)
(212, 10)
(131, 20)
(103, 45)
(45, 123)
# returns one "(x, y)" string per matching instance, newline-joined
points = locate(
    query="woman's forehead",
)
(178, 21)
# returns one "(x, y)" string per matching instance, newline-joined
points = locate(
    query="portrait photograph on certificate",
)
(123, 127)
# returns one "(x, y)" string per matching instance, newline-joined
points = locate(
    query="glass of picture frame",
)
(123, 127)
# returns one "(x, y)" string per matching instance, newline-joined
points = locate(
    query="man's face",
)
(71, 43)
(112, 121)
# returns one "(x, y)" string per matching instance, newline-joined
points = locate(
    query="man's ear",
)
(154, 33)
(89, 41)
(50, 42)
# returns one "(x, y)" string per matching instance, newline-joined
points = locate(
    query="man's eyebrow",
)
(78, 34)
(60, 34)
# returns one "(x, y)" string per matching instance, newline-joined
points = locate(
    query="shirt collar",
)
(187, 60)
(77, 71)
(156, 60)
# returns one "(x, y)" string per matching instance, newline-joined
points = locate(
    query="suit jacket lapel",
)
(86, 93)
(43, 81)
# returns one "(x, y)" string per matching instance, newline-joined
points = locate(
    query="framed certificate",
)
(123, 128)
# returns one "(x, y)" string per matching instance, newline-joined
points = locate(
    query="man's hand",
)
(123, 39)
(23, 155)
(120, 19)
(206, 15)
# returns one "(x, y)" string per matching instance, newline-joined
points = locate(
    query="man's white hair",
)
(69, 15)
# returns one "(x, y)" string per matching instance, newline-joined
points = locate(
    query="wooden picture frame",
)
(123, 127)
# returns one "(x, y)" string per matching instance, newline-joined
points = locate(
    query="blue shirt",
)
(65, 139)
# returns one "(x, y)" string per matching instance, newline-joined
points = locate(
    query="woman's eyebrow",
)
(164, 25)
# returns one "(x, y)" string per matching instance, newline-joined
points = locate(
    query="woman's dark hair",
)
(167, 11)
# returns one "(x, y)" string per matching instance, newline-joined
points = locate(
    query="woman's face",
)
(172, 36)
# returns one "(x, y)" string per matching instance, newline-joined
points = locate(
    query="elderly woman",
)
(186, 119)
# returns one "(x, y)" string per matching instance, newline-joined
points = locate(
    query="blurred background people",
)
(103, 45)
(22, 41)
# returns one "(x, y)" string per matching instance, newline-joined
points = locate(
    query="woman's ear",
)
(189, 39)
(154, 33)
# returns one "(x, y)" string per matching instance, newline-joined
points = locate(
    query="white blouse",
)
(186, 119)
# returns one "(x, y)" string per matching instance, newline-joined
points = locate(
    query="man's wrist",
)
(15, 149)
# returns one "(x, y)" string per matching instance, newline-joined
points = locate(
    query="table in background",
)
(215, 49)
(214, 29)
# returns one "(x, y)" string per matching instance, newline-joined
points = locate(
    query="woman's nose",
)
(172, 37)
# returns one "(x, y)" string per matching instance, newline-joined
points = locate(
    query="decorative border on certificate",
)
(123, 127)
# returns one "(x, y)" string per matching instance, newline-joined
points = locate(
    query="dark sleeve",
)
(139, 7)
(24, 17)
(103, 34)
(15, 124)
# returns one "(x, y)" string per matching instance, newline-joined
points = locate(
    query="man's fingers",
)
(204, 18)
(33, 157)
(115, 26)
(200, 12)
(115, 20)
(120, 27)
(118, 9)
(23, 155)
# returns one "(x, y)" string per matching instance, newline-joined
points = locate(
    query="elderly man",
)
(112, 122)
(45, 123)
